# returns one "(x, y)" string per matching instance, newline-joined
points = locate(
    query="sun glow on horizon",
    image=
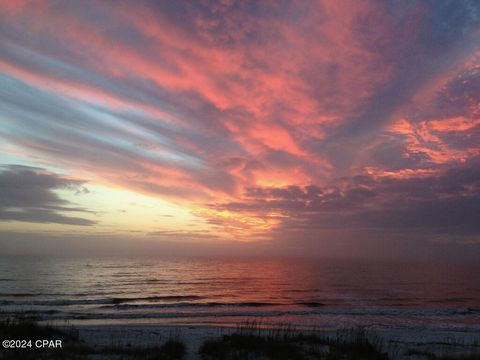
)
(292, 122)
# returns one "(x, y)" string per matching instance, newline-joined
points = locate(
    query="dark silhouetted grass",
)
(458, 357)
(420, 353)
(170, 350)
(252, 342)
(24, 328)
(443, 350)
(431, 356)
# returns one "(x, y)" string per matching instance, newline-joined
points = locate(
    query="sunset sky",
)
(281, 127)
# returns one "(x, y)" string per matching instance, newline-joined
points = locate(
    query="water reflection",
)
(223, 290)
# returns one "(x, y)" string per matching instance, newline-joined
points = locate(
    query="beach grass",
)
(248, 340)
(73, 347)
(251, 341)
(429, 355)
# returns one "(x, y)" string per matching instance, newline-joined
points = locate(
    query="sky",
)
(318, 128)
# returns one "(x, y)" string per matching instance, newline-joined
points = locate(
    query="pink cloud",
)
(206, 101)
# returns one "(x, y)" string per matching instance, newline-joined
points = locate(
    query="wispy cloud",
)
(249, 113)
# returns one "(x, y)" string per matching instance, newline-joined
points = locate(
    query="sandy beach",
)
(439, 343)
(144, 341)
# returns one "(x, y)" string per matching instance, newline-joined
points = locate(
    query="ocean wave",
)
(28, 294)
(298, 307)
(307, 308)
(102, 301)
(189, 304)
(62, 302)
(191, 313)
(451, 299)
(156, 298)
(310, 303)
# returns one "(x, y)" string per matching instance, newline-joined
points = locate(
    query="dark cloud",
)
(28, 195)
(448, 203)
(460, 96)
(390, 153)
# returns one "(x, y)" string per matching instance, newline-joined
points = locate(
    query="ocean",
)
(306, 294)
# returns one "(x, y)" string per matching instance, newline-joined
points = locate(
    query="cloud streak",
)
(257, 117)
(28, 195)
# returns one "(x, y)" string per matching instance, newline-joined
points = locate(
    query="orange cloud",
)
(201, 102)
